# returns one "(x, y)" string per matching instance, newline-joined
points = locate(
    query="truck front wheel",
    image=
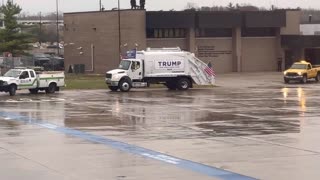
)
(304, 79)
(286, 81)
(12, 90)
(124, 85)
(183, 84)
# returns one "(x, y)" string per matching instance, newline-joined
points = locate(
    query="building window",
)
(1, 23)
(166, 33)
(258, 32)
(214, 32)
(160, 33)
(171, 33)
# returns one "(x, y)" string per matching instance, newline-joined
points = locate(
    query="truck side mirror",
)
(21, 76)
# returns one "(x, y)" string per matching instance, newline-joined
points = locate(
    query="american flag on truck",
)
(209, 70)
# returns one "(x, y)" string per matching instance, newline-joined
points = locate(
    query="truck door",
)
(33, 78)
(311, 72)
(135, 72)
(25, 81)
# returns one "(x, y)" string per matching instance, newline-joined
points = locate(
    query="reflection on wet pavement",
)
(161, 114)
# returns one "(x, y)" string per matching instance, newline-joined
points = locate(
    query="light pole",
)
(58, 47)
(119, 23)
(40, 29)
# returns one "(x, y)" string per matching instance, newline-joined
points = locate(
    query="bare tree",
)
(230, 6)
(191, 5)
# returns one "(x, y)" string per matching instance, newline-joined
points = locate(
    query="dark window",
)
(151, 33)
(25, 74)
(216, 32)
(166, 33)
(32, 74)
(258, 32)
(1, 23)
(135, 65)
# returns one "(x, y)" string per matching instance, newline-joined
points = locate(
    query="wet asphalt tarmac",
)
(251, 125)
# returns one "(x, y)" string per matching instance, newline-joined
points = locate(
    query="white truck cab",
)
(24, 78)
(174, 68)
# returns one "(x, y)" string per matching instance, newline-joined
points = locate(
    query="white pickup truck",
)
(23, 78)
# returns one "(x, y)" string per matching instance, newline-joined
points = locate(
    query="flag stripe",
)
(209, 71)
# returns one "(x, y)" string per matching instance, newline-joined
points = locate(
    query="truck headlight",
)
(5, 83)
(300, 73)
(285, 73)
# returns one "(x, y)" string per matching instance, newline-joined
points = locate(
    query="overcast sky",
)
(35, 6)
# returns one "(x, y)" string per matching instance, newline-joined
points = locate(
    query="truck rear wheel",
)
(124, 85)
(183, 84)
(51, 89)
(113, 88)
(12, 90)
(33, 91)
(318, 77)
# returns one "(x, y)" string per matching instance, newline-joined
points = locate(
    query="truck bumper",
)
(112, 83)
(293, 78)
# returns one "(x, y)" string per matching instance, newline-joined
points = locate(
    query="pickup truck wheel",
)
(286, 81)
(183, 84)
(33, 91)
(113, 88)
(318, 77)
(124, 85)
(304, 79)
(12, 90)
(51, 89)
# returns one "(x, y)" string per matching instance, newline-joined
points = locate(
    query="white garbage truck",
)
(34, 81)
(174, 68)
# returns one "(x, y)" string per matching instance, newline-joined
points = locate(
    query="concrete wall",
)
(293, 23)
(219, 53)
(259, 54)
(100, 29)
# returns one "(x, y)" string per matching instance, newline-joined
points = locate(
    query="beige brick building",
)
(233, 41)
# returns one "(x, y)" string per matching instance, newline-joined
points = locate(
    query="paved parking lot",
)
(251, 126)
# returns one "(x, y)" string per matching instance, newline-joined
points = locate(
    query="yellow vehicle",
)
(302, 71)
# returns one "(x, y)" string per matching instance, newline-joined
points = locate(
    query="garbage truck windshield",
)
(124, 64)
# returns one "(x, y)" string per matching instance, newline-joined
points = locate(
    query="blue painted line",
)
(128, 148)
